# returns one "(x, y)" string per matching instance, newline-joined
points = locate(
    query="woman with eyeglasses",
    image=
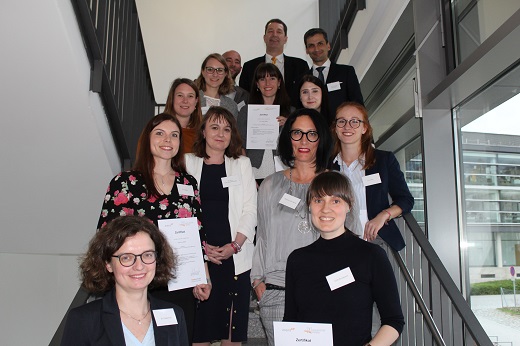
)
(214, 83)
(314, 95)
(283, 221)
(375, 175)
(184, 103)
(268, 88)
(339, 277)
(123, 259)
(158, 187)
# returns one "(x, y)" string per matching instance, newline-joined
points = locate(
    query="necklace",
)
(135, 319)
(162, 176)
(304, 225)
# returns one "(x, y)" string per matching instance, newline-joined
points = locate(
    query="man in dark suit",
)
(234, 63)
(292, 69)
(341, 80)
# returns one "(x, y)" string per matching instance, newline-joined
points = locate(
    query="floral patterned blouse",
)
(127, 195)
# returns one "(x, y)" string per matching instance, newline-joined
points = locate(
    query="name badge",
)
(240, 105)
(165, 317)
(371, 179)
(289, 201)
(231, 181)
(334, 86)
(204, 110)
(186, 190)
(340, 278)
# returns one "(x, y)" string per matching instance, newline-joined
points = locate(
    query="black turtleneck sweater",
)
(308, 297)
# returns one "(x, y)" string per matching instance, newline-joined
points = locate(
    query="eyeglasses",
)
(297, 135)
(219, 70)
(354, 123)
(128, 259)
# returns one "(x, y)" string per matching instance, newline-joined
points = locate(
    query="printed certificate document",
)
(302, 333)
(262, 126)
(183, 236)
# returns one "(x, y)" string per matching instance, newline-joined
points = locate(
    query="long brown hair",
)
(227, 86)
(144, 161)
(234, 149)
(282, 98)
(196, 116)
(366, 139)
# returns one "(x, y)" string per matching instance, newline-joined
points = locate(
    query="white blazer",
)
(242, 204)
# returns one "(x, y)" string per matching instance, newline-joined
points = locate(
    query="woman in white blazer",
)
(228, 198)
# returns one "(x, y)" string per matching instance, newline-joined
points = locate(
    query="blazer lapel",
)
(112, 320)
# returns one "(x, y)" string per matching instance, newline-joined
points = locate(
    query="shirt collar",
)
(326, 64)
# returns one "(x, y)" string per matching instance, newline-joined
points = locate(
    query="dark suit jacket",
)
(393, 184)
(350, 90)
(99, 323)
(294, 69)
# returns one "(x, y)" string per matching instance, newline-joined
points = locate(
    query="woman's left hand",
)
(202, 291)
(224, 252)
(373, 226)
(281, 120)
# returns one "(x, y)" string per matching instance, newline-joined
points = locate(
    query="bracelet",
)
(389, 216)
(209, 281)
(238, 247)
(255, 286)
(233, 245)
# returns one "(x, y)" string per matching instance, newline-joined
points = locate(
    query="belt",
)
(274, 287)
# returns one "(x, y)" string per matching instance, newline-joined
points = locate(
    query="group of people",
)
(280, 231)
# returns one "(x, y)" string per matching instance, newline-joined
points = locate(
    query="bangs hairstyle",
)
(144, 161)
(324, 107)
(265, 70)
(285, 149)
(196, 116)
(331, 183)
(222, 115)
(366, 139)
(228, 84)
(107, 240)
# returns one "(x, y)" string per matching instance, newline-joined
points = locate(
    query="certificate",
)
(183, 237)
(262, 126)
(302, 333)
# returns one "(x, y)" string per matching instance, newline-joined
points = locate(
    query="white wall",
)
(178, 35)
(57, 159)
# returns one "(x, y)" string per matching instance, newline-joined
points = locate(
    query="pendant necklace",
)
(162, 176)
(304, 225)
(135, 319)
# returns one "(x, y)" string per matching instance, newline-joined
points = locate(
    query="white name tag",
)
(240, 105)
(371, 179)
(289, 201)
(334, 86)
(165, 317)
(340, 278)
(231, 181)
(186, 190)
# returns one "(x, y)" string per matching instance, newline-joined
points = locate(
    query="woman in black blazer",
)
(375, 175)
(123, 259)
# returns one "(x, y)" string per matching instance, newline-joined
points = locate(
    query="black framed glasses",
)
(297, 135)
(128, 259)
(354, 123)
(218, 70)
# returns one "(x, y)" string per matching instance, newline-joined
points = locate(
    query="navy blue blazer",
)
(350, 89)
(393, 184)
(294, 69)
(99, 323)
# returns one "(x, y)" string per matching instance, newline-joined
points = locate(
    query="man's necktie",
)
(320, 73)
(273, 59)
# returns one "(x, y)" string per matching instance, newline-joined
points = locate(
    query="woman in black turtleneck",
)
(366, 275)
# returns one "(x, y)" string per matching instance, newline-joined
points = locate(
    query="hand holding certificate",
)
(183, 236)
(262, 126)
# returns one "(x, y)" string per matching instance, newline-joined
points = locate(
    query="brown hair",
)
(366, 139)
(144, 161)
(234, 149)
(331, 183)
(196, 116)
(107, 240)
(227, 86)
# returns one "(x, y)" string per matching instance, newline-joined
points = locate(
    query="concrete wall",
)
(57, 159)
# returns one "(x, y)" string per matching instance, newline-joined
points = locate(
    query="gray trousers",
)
(272, 307)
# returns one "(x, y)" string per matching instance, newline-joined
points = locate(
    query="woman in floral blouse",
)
(158, 187)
